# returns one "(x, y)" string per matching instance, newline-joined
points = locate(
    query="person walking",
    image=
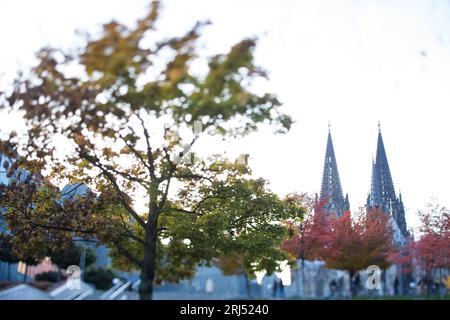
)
(333, 289)
(275, 288)
(281, 288)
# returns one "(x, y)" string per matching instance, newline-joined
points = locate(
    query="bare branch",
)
(192, 176)
(135, 151)
(180, 210)
(125, 175)
(151, 160)
(134, 237)
(129, 232)
(116, 187)
(71, 190)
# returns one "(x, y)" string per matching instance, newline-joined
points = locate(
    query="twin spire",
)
(331, 184)
(382, 192)
(382, 188)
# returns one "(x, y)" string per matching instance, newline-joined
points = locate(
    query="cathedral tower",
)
(331, 183)
(382, 192)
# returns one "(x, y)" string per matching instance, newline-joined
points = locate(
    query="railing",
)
(80, 294)
(116, 292)
(65, 293)
(111, 290)
(135, 285)
(119, 291)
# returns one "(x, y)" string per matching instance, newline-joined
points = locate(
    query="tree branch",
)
(151, 160)
(136, 152)
(127, 254)
(25, 217)
(192, 176)
(113, 181)
(180, 210)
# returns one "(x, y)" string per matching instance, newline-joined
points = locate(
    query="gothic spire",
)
(382, 192)
(331, 183)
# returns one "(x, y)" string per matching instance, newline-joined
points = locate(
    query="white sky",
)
(353, 63)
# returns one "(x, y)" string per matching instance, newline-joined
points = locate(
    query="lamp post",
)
(82, 261)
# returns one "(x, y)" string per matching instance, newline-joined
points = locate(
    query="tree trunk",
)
(148, 264)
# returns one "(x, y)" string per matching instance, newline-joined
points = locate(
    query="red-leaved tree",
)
(404, 257)
(355, 244)
(433, 247)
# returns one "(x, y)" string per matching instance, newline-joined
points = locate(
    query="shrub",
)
(101, 278)
(50, 276)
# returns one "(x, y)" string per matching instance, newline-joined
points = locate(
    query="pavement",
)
(118, 292)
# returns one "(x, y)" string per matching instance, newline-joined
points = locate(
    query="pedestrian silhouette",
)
(333, 289)
(396, 291)
(275, 288)
(357, 283)
(281, 288)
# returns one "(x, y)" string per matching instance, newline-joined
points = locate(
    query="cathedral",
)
(331, 184)
(382, 194)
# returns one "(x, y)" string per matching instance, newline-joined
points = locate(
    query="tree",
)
(237, 264)
(245, 231)
(404, 256)
(6, 253)
(9, 255)
(433, 247)
(432, 250)
(302, 240)
(355, 244)
(107, 115)
(72, 255)
(39, 222)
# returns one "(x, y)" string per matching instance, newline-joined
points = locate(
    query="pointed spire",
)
(346, 203)
(382, 193)
(382, 185)
(331, 184)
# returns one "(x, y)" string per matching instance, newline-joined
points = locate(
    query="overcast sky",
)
(352, 63)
